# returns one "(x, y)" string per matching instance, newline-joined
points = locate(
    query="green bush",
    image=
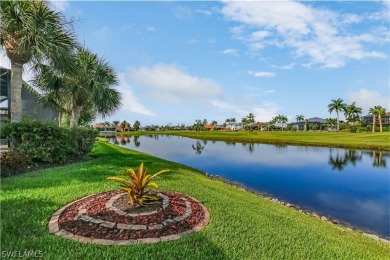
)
(12, 163)
(354, 129)
(46, 142)
(84, 139)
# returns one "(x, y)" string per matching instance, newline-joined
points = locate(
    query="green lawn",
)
(243, 225)
(375, 141)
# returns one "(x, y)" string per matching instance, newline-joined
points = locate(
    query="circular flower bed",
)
(106, 218)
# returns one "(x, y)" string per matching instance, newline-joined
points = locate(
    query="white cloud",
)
(229, 51)
(205, 12)
(314, 34)
(130, 102)
(366, 99)
(284, 67)
(266, 111)
(151, 28)
(59, 5)
(168, 83)
(262, 74)
(103, 33)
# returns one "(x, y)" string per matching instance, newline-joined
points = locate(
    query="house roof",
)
(208, 126)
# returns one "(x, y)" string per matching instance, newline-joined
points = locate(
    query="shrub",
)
(12, 163)
(84, 139)
(137, 187)
(46, 142)
(354, 129)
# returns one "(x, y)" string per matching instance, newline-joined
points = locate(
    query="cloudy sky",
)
(181, 61)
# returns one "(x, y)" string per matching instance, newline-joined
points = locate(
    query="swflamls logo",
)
(21, 254)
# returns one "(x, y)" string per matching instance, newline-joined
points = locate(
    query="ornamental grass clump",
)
(137, 187)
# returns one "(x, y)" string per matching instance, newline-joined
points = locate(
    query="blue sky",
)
(181, 61)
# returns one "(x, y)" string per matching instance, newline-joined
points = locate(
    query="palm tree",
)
(283, 120)
(299, 118)
(30, 32)
(115, 123)
(136, 125)
(214, 123)
(53, 94)
(198, 125)
(338, 106)
(233, 120)
(379, 112)
(244, 122)
(352, 113)
(373, 112)
(90, 86)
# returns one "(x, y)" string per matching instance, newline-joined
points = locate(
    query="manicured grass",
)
(243, 225)
(375, 141)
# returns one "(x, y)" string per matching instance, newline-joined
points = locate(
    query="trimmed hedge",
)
(46, 142)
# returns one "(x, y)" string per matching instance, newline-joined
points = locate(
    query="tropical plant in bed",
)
(137, 187)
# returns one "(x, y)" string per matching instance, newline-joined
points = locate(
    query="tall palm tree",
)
(90, 86)
(338, 106)
(30, 32)
(53, 94)
(379, 112)
(299, 118)
(283, 119)
(136, 125)
(373, 111)
(352, 113)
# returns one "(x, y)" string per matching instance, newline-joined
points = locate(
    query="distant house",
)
(209, 127)
(103, 127)
(367, 120)
(119, 128)
(233, 126)
(261, 126)
(300, 126)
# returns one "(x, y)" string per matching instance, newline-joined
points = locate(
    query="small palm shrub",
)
(137, 187)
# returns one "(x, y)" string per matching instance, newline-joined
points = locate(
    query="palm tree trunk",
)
(74, 120)
(338, 123)
(380, 122)
(373, 123)
(59, 118)
(16, 91)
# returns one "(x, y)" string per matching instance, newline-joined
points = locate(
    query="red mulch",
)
(95, 206)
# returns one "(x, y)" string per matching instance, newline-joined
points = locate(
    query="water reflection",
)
(136, 142)
(198, 147)
(379, 159)
(249, 146)
(339, 159)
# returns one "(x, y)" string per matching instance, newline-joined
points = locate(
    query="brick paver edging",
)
(54, 228)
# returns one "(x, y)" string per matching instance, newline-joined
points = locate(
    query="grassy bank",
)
(243, 225)
(372, 141)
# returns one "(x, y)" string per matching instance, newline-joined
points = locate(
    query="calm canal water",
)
(351, 186)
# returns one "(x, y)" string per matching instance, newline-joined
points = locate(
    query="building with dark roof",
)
(367, 120)
(300, 126)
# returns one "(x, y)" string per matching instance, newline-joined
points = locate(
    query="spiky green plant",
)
(137, 187)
